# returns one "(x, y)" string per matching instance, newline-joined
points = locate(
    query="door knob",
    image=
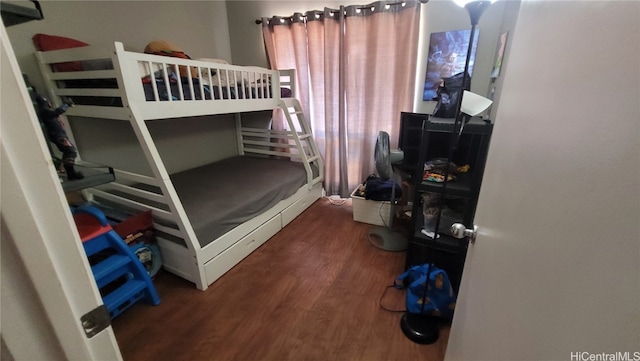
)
(458, 230)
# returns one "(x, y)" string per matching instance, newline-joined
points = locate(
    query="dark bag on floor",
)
(448, 94)
(440, 298)
(377, 189)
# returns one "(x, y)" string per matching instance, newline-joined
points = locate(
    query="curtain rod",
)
(259, 21)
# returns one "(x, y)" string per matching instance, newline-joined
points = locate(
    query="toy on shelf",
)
(54, 127)
(436, 169)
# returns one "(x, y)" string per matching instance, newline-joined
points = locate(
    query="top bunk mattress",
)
(219, 196)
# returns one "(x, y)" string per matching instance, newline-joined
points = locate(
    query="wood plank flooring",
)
(310, 293)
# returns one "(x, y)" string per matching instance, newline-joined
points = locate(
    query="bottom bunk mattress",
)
(219, 196)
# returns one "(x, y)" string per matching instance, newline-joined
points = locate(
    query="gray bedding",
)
(218, 197)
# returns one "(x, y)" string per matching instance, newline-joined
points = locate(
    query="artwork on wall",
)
(447, 55)
(500, 54)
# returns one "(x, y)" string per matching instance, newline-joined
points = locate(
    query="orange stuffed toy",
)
(165, 48)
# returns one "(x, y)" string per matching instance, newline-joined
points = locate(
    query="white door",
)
(555, 271)
(47, 284)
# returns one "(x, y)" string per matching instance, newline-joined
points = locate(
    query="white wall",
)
(445, 15)
(198, 27)
(183, 144)
(247, 46)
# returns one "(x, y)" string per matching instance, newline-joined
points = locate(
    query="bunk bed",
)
(234, 182)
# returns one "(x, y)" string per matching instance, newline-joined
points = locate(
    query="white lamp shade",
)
(474, 104)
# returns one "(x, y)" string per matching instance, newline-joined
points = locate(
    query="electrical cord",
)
(382, 203)
(382, 296)
(380, 213)
(336, 202)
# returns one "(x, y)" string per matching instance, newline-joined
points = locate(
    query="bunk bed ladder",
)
(304, 139)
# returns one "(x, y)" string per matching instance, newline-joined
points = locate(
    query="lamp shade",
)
(474, 104)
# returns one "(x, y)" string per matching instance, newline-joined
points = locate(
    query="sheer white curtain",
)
(355, 71)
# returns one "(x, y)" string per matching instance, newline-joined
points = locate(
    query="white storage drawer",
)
(291, 212)
(223, 262)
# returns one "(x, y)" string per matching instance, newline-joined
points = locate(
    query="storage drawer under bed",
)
(294, 210)
(223, 262)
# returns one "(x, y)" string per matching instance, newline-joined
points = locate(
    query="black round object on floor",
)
(420, 328)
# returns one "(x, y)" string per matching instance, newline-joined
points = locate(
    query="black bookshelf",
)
(467, 145)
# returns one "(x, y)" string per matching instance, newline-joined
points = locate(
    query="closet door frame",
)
(39, 229)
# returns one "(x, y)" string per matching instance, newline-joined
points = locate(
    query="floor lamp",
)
(417, 327)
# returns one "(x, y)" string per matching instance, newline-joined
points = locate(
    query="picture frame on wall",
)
(447, 56)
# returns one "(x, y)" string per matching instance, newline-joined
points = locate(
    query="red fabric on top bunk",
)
(45, 42)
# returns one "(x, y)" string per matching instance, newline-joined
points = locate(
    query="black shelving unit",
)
(410, 139)
(458, 198)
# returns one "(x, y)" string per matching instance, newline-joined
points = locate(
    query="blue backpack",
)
(439, 297)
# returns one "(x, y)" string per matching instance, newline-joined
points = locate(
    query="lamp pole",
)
(421, 328)
(475, 10)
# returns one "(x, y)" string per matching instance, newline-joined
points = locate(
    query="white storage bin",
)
(368, 211)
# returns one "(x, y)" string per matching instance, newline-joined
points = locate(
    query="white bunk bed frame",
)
(191, 261)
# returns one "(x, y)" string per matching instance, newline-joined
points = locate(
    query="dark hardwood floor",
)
(309, 293)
